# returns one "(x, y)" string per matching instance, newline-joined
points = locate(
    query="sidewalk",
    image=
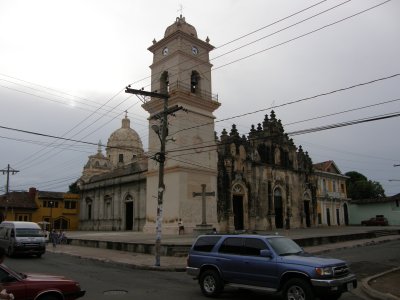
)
(376, 287)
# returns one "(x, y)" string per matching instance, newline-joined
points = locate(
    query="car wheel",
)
(211, 283)
(297, 289)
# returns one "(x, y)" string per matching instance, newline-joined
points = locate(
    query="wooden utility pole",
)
(159, 157)
(8, 171)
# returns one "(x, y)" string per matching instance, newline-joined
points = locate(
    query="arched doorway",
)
(238, 207)
(89, 208)
(328, 216)
(278, 205)
(238, 212)
(307, 212)
(129, 213)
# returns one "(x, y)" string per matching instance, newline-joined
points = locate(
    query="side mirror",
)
(266, 253)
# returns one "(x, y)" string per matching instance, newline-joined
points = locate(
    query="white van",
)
(18, 237)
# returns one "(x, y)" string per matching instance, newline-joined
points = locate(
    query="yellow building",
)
(332, 201)
(58, 210)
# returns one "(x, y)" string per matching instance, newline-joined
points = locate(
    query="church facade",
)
(113, 186)
(257, 182)
(264, 181)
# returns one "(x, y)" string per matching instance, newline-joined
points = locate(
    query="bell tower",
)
(181, 68)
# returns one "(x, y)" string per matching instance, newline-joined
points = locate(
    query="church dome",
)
(124, 145)
(180, 24)
(125, 137)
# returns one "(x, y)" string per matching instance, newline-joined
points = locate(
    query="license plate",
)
(349, 286)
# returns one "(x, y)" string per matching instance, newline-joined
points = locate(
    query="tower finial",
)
(180, 10)
(126, 114)
(99, 147)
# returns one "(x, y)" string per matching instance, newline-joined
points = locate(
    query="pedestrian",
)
(3, 291)
(54, 237)
(181, 227)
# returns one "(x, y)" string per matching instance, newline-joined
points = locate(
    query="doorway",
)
(307, 213)
(129, 215)
(337, 216)
(328, 217)
(278, 209)
(238, 212)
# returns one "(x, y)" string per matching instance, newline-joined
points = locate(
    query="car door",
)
(229, 259)
(256, 269)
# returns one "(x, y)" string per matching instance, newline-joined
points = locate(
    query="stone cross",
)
(203, 195)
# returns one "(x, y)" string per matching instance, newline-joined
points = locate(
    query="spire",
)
(99, 147)
(126, 123)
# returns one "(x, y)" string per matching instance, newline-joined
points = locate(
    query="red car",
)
(39, 286)
(377, 221)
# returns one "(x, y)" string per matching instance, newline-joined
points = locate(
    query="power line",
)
(309, 130)
(300, 36)
(295, 101)
(240, 37)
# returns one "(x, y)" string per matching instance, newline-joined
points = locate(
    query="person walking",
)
(3, 291)
(54, 237)
(181, 227)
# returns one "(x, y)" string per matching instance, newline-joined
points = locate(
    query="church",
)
(255, 182)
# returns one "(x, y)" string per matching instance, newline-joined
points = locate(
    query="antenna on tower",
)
(180, 9)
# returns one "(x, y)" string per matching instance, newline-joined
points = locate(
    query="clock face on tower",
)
(165, 51)
(195, 51)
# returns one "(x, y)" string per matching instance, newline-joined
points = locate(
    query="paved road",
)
(117, 279)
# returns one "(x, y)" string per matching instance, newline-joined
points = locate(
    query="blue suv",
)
(275, 264)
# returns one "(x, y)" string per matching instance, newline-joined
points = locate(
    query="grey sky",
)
(60, 61)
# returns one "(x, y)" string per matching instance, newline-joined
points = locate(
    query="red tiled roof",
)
(21, 200)
(327, 166)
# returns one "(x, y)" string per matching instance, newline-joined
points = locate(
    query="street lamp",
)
(51, 214)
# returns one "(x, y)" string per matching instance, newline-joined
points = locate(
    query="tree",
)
(73, 188)
(359, 187)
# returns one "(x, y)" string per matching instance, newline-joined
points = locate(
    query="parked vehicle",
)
(39, 286)
(18, 237)
(274, 264)
(378, 220)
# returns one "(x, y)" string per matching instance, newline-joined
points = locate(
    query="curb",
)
(123, 264)
(374, 294)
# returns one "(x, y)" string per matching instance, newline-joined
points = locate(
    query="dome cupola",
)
(180, 24)
(124, 145)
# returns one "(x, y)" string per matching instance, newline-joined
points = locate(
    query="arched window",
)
(164, 83)
(194, 82)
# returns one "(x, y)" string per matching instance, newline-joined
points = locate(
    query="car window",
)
(206, 243)
(253, 246)
(28, 232)
(284, 246)
(232, 245)
(3, 274)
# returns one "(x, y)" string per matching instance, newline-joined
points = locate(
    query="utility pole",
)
(8, 171)
(159, 157)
